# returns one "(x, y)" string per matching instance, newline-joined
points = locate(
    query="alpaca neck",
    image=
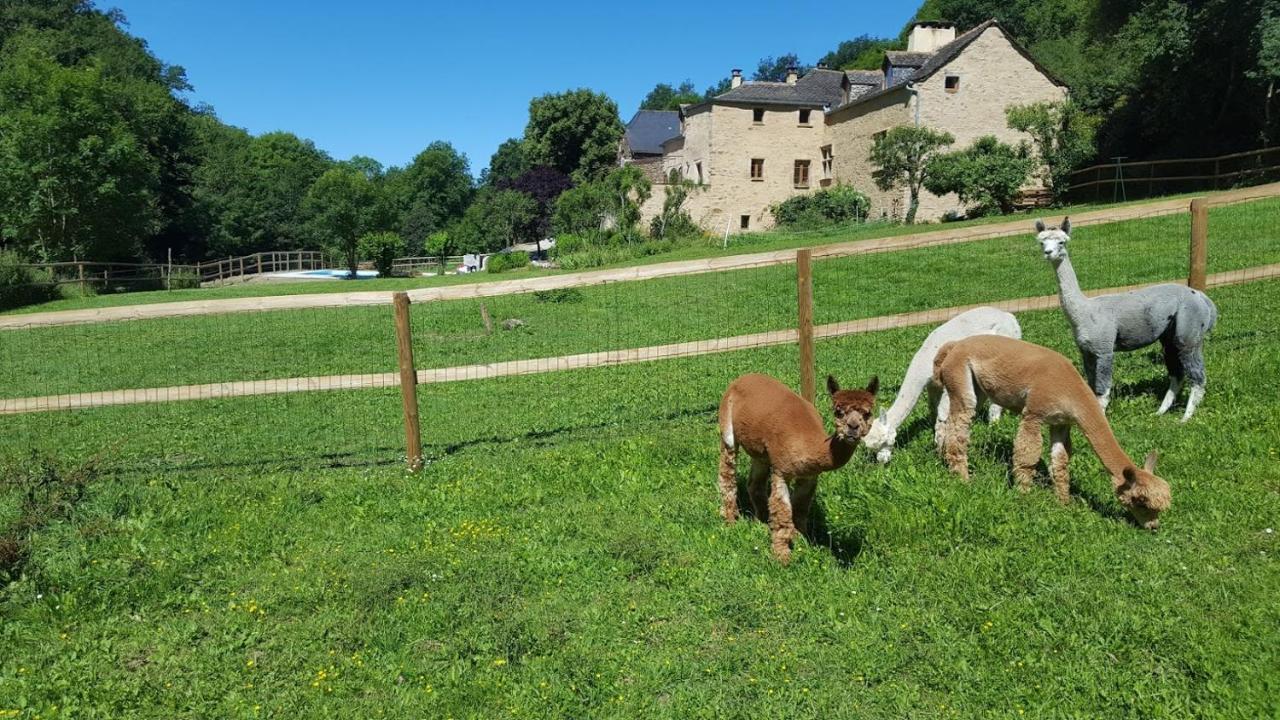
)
(832, 454)
(1097, 430)
(1073, 299)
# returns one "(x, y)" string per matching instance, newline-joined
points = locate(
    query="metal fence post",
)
(408, 382)
(1199, 244)
(804, 323)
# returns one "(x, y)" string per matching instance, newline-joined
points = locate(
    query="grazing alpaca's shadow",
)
(845, 544)
(1101, 505)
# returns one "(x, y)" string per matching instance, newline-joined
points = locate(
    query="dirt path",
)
(597, 277)
(75, 401)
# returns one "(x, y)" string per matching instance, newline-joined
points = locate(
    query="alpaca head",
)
(853, 409)
(1053, 239)
(1144, 494)
(881, 438)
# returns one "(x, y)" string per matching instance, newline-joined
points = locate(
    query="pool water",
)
(339, 274)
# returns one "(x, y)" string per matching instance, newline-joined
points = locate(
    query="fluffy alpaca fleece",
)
(1045, 387)
(788, 445)
(1176, 315)
(883, 434)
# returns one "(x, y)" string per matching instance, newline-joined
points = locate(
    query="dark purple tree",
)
(544, 184)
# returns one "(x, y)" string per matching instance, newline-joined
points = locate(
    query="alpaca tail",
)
(726, 423)
(939, 359)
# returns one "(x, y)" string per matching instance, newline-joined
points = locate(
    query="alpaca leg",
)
(1193, 360)
(802, 501)
(1172, 363)
(1102, 382)
(993, 413)
(1059, 457)
(728, 483)
(956, 432)
(758, 489)
(942, 411)
(781, 528)
(1026, 451)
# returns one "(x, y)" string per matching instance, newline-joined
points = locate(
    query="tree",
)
(719, 88)
(381, 247)
(775, 69)
(581, 211)
(628, 189)
(431, 193)
(1268, 61)
(80, 172)
(1063, 137)
(986, 176)
(575, 132)
(497, 219)
(674, 220)
(507, 163)
(861, 53)
(543, 184)
(666, 97)
(339, 208)
(901, 157)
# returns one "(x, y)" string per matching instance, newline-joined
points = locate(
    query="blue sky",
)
(385, 78)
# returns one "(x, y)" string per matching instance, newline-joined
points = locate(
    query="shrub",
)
(22, 285)
(986, 175)
(502, 262)
(382, 248)
(837, 204)
(559, 295)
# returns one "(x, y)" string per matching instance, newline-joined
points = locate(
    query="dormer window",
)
(804, 117)
(757, 116)
(953, 83)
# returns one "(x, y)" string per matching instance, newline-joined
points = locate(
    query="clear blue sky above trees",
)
(386, 78)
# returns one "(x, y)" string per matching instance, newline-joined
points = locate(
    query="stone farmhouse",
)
(763, 142)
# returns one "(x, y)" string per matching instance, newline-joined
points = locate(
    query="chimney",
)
(792, 75)
(737, 78)
(927, 37)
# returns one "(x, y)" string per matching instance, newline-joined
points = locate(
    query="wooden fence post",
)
(804, 323)
(1199, 243)
(80, 273)
(408, 382)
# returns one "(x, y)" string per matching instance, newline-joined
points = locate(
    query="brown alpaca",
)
(1045, 387)
(788, 443)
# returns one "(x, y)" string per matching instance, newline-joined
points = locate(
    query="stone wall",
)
(851, 132)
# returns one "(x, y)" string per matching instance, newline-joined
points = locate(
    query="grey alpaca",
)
(1176, 315)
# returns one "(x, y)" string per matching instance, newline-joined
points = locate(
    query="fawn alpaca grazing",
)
(788, 443)
(1045, 387)
(883, 434)
(1178, 316)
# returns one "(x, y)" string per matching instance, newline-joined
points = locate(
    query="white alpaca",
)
(979, 321)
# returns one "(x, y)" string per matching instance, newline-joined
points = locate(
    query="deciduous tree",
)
(575, 132)
(901, 157)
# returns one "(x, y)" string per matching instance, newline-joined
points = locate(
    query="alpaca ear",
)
(873, 387)
(833, 387)
(1039, 226)
(1150, 463)
(1130, 474)
(1066, 225)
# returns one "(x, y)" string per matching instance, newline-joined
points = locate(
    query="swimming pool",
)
(329, 274)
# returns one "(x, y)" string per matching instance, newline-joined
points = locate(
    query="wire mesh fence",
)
(309, 383)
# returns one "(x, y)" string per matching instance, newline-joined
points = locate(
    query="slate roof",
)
(648, 129)
(865, 77)
(938, 59)
(818, 88)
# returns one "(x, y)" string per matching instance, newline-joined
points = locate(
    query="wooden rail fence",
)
(1148, 178)
(934, 238)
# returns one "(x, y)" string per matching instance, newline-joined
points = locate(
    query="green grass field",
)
(561, 555)
(251, 346)
(689, 250)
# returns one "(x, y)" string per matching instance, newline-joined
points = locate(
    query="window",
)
(744, 222)
(757, 168)
(801, 177)
(757, 116)
(953, 83)
(828, 161)
(804, 117)
(699, 173)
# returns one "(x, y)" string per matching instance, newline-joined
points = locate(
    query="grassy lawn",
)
(704, 248)
(561, 556)
(620, 315)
